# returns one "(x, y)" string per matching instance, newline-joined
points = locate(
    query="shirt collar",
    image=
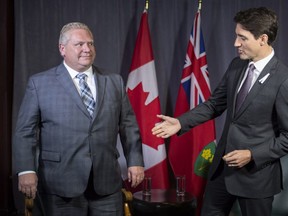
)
(73, 73)
(259, 65)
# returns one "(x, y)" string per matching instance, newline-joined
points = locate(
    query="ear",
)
(62, 49)
(263, 39)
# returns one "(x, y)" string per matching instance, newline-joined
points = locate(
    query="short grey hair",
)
(64, 37)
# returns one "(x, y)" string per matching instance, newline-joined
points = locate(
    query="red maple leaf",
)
(145, 115)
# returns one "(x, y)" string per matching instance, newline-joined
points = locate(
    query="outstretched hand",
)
(168, 127)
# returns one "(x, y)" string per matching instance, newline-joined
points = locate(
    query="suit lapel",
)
(100, 82)
(259, 84)
(62, 75)
(237, 81)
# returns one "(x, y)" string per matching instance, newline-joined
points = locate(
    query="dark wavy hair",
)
(259, 21)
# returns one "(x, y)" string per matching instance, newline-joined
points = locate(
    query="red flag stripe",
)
(194, 89)
(143, 95)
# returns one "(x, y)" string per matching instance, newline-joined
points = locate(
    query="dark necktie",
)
(86, 93)
(245, 87)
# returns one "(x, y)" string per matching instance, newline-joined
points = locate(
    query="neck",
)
(264, 52)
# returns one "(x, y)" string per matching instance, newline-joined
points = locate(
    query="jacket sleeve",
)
(129, 132)
(26, 134)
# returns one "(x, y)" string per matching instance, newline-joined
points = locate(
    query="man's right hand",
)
(168, 127)
(27, 184)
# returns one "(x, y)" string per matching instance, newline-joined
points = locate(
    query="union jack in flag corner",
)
(192, 153)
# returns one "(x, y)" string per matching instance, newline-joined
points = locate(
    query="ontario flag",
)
(191, 154)
(142, 91)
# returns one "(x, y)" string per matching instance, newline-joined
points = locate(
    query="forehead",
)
(240, 31)
(79, 34)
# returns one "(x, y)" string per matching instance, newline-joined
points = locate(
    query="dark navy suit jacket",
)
(260, 125)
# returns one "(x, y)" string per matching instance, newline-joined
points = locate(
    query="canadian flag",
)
(142, 91)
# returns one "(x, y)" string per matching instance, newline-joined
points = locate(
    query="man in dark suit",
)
(246, 165)
(75, 121)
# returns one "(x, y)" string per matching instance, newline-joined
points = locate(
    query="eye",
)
(243, 38)
(91, 44)
(79, 44)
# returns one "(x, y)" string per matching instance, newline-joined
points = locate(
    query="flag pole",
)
(147, 5)
(199, 5)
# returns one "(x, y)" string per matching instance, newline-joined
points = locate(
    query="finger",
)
(163, 117)
(231, 161)
(229, 158)
(137, 179)
(160, 116)
(134, 183)
(140, 179)
(134, 178)
(20, 188)
(34, 191)
(28, 192)
(162, 135)
(230, 154)
(157, 128)
(156, 131)
(226, 156)
(165, 136)
(129, 177)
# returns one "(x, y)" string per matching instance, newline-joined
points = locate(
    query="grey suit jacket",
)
(260, 125)
(71, 144)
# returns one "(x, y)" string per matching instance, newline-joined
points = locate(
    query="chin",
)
(243, 57)
(86, 63)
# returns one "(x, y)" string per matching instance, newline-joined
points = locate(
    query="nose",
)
(237, 43)
(86, 47)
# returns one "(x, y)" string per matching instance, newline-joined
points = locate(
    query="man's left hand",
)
(238, 158)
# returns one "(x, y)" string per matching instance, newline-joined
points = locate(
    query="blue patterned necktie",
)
(245, 87)
(86, 93)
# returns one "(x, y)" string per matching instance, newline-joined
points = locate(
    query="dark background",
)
(29, 44)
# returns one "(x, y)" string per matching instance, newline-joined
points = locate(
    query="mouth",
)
(86, 57)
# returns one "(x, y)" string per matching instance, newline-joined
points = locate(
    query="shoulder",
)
(281, 66)
(100, 72)
(51, 72)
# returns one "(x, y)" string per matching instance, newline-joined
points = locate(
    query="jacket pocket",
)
(50, 156)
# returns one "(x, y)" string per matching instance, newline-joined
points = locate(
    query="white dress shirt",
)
(259, 66)
(90, 79)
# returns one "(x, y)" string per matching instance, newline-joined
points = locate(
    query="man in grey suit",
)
(246, 165)
(73, 113)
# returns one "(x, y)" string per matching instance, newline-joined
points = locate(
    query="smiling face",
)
(249, 47)
(79, 51)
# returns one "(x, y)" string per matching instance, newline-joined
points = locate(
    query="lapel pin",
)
(262, 80)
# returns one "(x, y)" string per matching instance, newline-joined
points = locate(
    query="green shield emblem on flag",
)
(204, 160)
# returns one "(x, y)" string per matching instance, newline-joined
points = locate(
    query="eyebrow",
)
(79, 41)
(241, 35)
